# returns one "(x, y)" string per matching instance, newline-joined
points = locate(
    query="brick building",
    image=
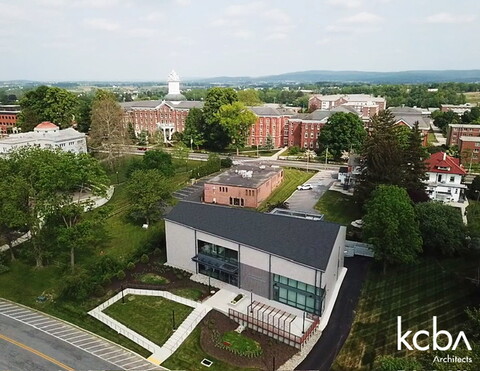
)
(408, 116)
(456, 131)
(365, 105)
(303, 129)
(458, 109)
(469, 149)
(243, 186)
(8, 118)
(270, 123)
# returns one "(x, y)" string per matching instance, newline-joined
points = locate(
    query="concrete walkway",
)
(441, 140)
(159, 353)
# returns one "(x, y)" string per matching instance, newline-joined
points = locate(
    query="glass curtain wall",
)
(218, 262)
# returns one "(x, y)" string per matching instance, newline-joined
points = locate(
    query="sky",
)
(143, 40)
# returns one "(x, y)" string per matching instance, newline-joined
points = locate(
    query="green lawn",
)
(338, 208)
(188, 293)
(189, 355)
(417, 293)
(291, 179)
(150, 316)
(472, 97)
(431, 139)
(153, 279)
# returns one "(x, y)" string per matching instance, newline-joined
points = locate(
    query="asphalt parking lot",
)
(305, 200)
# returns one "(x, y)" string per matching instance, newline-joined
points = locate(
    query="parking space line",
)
(129, 364)
(126, 359)
(88, 342)
(66, 331)
(122, 359)
(97, 346)
(113, 351)
(30, 314)
(79, 336)
(47, 326)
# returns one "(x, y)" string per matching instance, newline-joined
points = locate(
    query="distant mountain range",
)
(400, 77)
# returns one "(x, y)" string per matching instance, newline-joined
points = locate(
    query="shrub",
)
(226, 162)
(4, 268)
(99, 291)
(131, 266)
(121, 275)
(157, 251)
(295, 150)
(144, 259)
(77, 286)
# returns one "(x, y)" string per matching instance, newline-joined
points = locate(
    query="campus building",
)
(269, 126)
(469, 150)
(444, 178)
(46, 135)
(292, 261)
(243, 186)
(409, 116)
(8, 118)
(456, 131)
(459, 109)
(365, 105)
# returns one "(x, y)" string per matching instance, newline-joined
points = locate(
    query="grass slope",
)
(417, 293)
(150, 316)
(338, 208)
(291, 179)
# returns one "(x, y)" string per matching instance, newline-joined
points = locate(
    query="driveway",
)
(324, 352)
(307, 199)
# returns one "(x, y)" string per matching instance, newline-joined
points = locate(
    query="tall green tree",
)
(47, 104)
(249, 97)
(443, 119)
(216, 134)
(342, 132)
(194, 133)
(441, 226)
(160, 161)
(150, 192)
(84, 116)
(108, 132)
(180, 152)
(237, 120)
(391, 226)
(414, 165)
(383, 158)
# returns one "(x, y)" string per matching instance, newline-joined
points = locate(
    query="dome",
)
(175, 97)
(46, 125)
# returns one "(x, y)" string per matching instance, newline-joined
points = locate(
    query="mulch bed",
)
(271, 347)
(177, 278)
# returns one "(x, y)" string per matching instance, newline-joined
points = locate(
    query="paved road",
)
(307, 199)
(32, 337)
(324, 352)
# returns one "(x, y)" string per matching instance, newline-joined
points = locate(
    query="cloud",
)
(242, 34)
(101, 24)
(245, 9)
(155, 17)
(278, 16)
(346, 3)
(142, 32)
(183, 2)
(450, 18)
(276, 36)
(323, 41)
(362, 18)
(97, 4)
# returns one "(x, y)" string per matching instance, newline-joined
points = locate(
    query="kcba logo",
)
(402, 338)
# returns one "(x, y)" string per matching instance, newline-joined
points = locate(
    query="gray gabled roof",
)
(304, 241)
(264, 111)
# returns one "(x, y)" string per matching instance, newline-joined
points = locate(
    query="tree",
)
(414, 161)
(51, 179)
(236, 120)
(441, 227)
(249, 97)
(193, 135)
(342, 132)
(142, 138)
(474, 188)
(269, 143)
(472, 116)
(47, 104)
(84, 117)
(160, 161)
(150, 192)
(383, 158)
(391, 226)
(108, 132)
(443, 119)
(215, 134)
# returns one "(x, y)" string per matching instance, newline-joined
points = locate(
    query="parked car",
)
(304, 187)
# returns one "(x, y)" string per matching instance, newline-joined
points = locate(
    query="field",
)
(472, 97)
(338, 208)
(430, 288)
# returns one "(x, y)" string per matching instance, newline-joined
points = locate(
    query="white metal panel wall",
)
(180, 246)
(335, 264)
(254, 258)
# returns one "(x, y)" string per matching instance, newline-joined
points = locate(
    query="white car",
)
(304, 187)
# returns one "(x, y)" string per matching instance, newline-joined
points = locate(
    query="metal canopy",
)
(215, 263)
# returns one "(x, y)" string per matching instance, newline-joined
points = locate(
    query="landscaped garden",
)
(417, 293)
(150, 316)
(212, 339)
(291, 179)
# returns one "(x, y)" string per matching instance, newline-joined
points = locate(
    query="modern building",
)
(8, 118)
(469, 149)
(365, 105)
(444, 178)
(293, 261)
(409, 116)
(303, 129)
(243, 186)
(46, 135)
(167, 115)
(456, 131)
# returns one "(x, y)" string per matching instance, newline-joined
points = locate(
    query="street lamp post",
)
(303, 323)
(251, 301)
(116, 172)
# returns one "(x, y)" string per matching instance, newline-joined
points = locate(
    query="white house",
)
(444, 182)
(46, 135)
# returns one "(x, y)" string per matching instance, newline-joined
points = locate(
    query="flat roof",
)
(469, 139)
(308, 242)
(235, 176)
